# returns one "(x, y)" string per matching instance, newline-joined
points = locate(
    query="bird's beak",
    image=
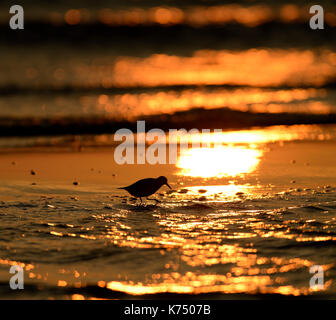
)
(168, 185)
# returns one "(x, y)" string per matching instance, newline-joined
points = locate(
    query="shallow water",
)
(247, 230)
(262, 245)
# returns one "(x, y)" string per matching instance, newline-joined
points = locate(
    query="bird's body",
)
(146, 187)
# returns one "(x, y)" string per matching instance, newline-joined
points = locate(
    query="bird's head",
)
(163, 180)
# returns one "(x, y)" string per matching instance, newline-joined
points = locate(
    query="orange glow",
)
(230, 191)
(257, 136)
(62, 283)
(292, 68)
(330, 18)
(165, 16)
(248, 99)
(250, 16)
(289, 13)
(218, 162)
(191, 283)
(72, 17)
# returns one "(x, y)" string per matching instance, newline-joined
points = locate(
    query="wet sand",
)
(278, 167)
(247, 223)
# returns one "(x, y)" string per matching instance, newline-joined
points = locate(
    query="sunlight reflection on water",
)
(218, 162)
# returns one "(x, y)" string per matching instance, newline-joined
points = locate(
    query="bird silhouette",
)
(146, 187)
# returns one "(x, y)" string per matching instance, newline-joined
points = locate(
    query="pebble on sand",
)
(183, 191)
(32, 172)
(76, 183)
(202, 191)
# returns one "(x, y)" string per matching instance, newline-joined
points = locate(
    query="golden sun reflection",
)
(218, 162)
(257, 100)
(230, 190)
(191, 283)
(209, 67)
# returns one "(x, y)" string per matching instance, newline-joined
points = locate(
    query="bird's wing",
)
(143, 182)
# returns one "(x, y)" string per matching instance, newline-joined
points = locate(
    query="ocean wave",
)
(200, 118)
